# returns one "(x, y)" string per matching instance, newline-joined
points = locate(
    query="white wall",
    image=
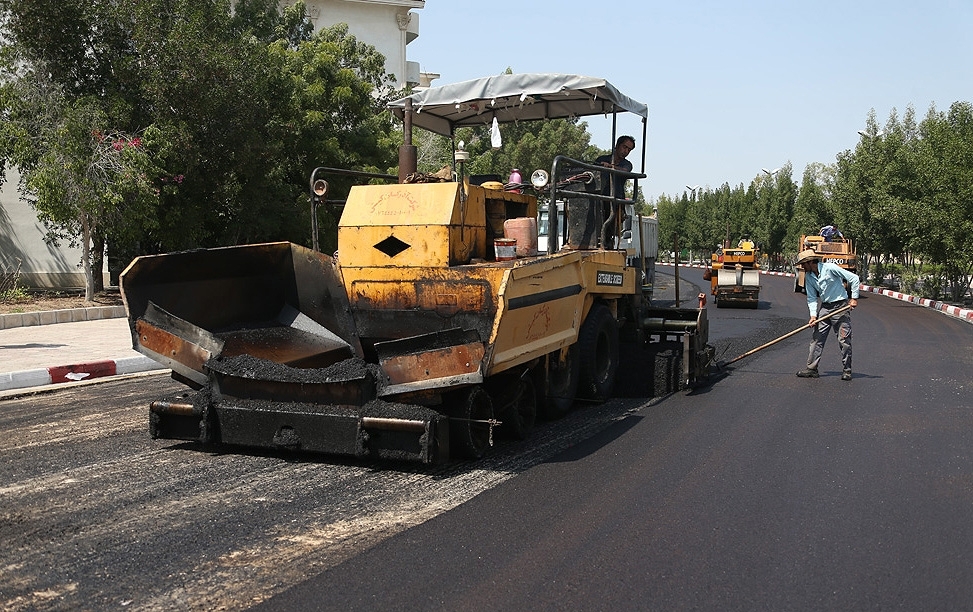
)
(22, 238)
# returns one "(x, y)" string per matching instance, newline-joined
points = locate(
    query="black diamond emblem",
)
(392, 246)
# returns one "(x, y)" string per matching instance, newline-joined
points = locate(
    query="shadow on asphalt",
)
(598, 441)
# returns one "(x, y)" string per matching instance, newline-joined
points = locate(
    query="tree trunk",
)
(89, 281)
(98, 260)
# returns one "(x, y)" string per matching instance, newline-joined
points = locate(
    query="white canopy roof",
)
(514, 97)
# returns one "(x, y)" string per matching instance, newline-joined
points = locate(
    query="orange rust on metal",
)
(450, 297)
(285, 345)
(171, 346)
(437, 363)
(177, 408)
(446, 296)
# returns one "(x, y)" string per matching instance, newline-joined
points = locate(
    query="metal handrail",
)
(613, 173)
(317, 199)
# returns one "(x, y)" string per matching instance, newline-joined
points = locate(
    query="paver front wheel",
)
(521, 413)
(598, 342)
(563, 373)
(470, 425)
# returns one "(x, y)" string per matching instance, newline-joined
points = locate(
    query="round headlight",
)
(320, 187)
(539, 178)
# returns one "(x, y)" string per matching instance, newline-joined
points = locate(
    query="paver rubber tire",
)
(598, 343)
(470, 432)
(521, 413)
(563, 374)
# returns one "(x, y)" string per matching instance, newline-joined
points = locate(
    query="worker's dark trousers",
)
(841, 324)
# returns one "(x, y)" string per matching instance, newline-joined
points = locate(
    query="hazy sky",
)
(732, 86)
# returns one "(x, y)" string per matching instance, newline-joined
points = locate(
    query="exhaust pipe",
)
(408, 153)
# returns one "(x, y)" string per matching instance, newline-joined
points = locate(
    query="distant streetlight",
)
(865, 134)
(771, 172)
(692, 190)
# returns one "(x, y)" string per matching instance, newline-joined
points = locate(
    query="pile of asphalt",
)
(256, 368)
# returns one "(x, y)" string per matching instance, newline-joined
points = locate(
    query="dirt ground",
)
(41, 301)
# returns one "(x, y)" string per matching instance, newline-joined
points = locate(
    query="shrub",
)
(9, 289)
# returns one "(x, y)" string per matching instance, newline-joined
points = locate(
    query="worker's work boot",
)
(808, 373)
(846, 375)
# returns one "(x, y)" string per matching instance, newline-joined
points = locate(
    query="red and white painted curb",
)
(964, 314)
(40, 377)
(954, 311)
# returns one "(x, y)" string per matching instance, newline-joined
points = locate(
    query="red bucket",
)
(506, 248)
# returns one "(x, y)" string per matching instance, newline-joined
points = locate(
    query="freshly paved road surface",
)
(761, 492)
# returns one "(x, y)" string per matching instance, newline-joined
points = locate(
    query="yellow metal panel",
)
(473, 212)
(371, 246)
(491, 272)
(452, 297)
(465, 243)
(605, 273)
(741, 256)
(413, 204)
(382, 294)
(543, 303)
(444, 297)
(541, 308)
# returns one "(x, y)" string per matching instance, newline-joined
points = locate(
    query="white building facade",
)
(24, 250)
(387, 25)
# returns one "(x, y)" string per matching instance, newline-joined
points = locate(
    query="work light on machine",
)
(539, 178)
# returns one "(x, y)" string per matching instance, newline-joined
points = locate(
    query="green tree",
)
(528, 145)
(216, 94)
(340, 91)
(720, 215)
(241, 102)
(780, 212)
(80, 43)
(944, 210)
(78, 173)
(673, 215)
(811, 206)
(79, 50)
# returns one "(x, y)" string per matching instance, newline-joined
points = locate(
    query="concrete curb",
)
(40, 377)
(70, 315)
(963, 314)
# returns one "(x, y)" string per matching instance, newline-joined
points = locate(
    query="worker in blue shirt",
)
(831, 232)
(825, 282)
